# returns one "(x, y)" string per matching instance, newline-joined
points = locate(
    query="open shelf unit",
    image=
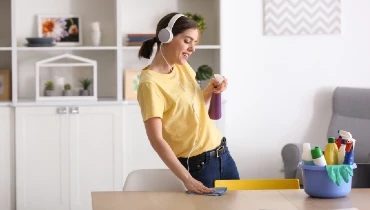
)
(117, 18)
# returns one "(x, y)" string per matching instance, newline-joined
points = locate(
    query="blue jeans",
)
(212, 168)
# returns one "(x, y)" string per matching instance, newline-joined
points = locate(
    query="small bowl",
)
(40, 40)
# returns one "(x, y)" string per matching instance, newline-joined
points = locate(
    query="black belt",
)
(218, 151)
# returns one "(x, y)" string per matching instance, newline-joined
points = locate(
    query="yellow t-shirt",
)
(161, 95)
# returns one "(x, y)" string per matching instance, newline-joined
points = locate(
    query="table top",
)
(235, 200)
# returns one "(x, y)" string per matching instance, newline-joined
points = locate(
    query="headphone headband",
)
(165, 35)
(173, 20)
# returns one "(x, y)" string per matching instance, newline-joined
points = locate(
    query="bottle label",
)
(320, 161)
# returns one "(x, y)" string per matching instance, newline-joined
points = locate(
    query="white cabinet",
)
(64, 153)
(7, 176)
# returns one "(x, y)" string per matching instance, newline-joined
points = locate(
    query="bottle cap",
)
(331, 140)
(316, 152)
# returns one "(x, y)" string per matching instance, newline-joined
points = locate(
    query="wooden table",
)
(233, 200)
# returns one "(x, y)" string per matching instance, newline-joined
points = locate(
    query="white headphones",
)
(165, 35)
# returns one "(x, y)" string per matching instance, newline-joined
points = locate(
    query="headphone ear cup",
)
(165, 35)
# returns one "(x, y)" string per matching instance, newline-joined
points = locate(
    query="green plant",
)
(199, 20)
(67, 86)
(85, 83)
(49, 85)
(204, 72)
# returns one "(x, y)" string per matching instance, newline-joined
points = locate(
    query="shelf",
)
(5, 103)
(101, 101)
(197, 47)
(5, 48)
(145, 21)
(89, 11)
(113, 56)
(67, 48)
(106, 71)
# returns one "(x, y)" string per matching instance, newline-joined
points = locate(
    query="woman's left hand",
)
(218, 87)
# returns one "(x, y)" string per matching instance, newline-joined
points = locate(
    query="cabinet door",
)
(42, 157)
(7, 176)
(95, 151)
(140, 153)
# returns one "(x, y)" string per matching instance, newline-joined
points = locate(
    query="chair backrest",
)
(291, 155)
(153, 180)
(351, 112)
(258, 184)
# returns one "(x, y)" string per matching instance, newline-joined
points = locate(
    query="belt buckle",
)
(218, 149)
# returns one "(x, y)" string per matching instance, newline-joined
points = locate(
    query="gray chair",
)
(351, 112)
(291, 154)
(153, 180)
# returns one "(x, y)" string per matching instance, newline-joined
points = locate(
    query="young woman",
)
(174, 108)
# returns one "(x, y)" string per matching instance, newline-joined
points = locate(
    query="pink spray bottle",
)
(214, 110)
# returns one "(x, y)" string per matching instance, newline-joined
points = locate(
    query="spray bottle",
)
(214, 110)
(345, 154)
(349, 156)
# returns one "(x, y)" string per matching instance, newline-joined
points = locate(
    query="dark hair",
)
(182, 24)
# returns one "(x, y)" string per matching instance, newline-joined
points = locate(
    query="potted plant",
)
(199, 20)
(67, 90)
(85, 83)
(49, 88)
(204, 72)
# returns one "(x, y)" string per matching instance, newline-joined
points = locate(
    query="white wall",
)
(280, 88)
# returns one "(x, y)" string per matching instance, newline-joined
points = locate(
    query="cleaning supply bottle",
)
(306, 154)
(317, 157)
(214, 110)
(331, 152)
(342, 151)
(349, 156)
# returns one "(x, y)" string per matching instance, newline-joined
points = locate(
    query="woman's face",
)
(182, 46)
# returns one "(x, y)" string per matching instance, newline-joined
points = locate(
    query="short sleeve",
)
(151, 101)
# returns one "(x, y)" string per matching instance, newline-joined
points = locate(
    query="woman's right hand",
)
(196, 186)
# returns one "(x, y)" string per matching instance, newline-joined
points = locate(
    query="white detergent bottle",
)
(306, 154)
(317, 157)
(342, 152)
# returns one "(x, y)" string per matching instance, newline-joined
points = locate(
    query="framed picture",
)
(5, 85)
(65, 29)
(132, 78)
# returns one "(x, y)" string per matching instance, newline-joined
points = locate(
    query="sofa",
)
(350, 112)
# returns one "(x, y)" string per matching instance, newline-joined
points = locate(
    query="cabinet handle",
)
(62, 110)
(74, 110)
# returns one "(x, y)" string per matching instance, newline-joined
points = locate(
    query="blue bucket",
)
(317, 183)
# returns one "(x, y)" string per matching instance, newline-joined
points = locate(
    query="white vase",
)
(95, 38)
